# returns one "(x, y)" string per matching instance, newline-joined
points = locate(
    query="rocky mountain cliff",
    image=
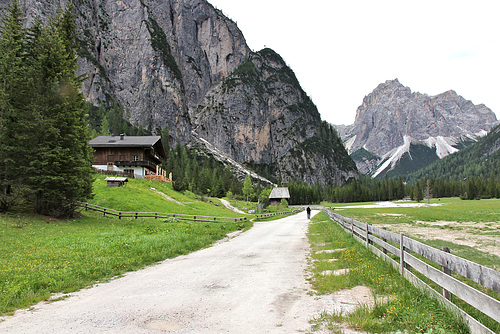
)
(184, 64)
(393, 122)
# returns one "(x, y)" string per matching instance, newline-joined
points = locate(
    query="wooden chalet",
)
(137, 156)
(277, 194)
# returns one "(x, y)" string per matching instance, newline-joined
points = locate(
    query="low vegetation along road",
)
(253, 283)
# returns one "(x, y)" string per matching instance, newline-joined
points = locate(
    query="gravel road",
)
(252, 283)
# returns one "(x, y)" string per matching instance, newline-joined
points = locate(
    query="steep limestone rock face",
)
(395, 124)
(261, 115)
(182, 63)
(156, 58)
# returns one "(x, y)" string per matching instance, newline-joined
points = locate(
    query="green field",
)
(40, 256)
(470, 228)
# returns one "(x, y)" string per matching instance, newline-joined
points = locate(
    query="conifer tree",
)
(60, 171)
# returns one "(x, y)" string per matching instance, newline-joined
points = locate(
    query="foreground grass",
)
(399, 307)
(41, 256)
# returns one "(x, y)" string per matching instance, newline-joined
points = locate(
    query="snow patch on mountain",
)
(443, 145)
(225, 159)
(391, 158)
(481, 133)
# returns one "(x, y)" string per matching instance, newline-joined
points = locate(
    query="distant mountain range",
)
(397, 131)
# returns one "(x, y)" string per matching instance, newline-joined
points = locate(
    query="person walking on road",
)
(308, 212)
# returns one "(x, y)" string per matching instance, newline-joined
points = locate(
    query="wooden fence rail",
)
(156, 215)
(402, 246)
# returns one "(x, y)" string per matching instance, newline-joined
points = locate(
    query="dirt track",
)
(253, 283)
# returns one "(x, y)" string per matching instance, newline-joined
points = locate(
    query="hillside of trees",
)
(481, 160)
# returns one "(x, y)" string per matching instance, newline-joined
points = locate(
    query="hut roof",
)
(280, 193)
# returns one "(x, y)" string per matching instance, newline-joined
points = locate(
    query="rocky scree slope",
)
(182, 63)
(393, 122)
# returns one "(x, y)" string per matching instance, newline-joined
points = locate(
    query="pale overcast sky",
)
(340, 50)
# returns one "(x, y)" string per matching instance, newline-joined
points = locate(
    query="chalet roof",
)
(280, 193)
(124, 141)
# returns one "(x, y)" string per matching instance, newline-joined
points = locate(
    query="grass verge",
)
(399, 305)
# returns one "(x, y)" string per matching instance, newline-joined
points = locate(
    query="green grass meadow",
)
(449, 209)
(399, 307)
(40, 256)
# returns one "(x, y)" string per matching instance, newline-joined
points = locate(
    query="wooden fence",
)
(267, 215)
(156, 215)
(382, 242)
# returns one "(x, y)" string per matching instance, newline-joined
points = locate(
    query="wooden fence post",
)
(119, 215)
(401, 254)
(367, 235)
(446, 293)
(104, 211)
(352, 226)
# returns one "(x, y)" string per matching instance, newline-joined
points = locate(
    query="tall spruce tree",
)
(60, 171)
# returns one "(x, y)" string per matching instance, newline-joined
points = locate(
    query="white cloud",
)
(341, 50)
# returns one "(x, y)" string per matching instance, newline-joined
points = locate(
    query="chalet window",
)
(128, 171)
(136, 158)
(110, 166)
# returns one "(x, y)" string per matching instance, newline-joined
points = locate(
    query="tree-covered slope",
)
(481, 159)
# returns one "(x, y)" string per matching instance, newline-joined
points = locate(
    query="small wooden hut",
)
(277, 194)
(114, 181)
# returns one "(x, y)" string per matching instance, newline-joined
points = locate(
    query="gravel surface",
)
(252, 283)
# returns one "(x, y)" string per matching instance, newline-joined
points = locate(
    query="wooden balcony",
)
(147, 164)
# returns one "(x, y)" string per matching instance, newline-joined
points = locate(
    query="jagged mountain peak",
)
(392, 119)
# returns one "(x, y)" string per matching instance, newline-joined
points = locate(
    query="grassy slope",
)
(40, 256)
(137, 195)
